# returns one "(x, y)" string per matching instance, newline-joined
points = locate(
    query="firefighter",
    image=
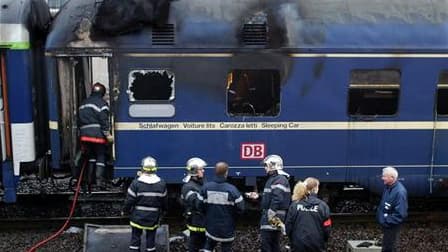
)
(94, 131)
(190, 191)
(274, 203)
(221, 203)
(145, 202)
(308, 221)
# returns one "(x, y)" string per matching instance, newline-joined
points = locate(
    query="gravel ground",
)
(415, 237)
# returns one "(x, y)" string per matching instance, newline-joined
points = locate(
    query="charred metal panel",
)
(290, 24)
(119, 17)
(164, 35)
(255, 34)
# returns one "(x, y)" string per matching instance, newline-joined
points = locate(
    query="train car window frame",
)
(244, 97)
(159, 99)
(374, 92)
(442, 94)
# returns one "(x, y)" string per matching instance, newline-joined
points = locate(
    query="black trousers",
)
(96, 156)
(270, 241)
(136, 239)
(196, 242)
(391, 237)
(210, 245)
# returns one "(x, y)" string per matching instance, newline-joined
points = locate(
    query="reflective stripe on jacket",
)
(221, 203)
(146, 200)
(194, 217)
(276, 196)
(93, 117)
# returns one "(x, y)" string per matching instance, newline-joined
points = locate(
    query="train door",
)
(438, 175)
(76, 76)
(372, 101)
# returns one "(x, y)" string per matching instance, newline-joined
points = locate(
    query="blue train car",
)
(339, 89)
(23, 26)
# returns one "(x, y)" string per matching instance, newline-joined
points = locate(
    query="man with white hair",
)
(393, 208)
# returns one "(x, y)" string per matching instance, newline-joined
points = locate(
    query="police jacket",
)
(276, 196)
(146, 201)
(308, 224)
(393, 208)
(190, 192)
(93, 120)
(221, 202)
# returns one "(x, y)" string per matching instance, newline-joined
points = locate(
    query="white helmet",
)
(193, 165)
(274, 163)
(149, 164)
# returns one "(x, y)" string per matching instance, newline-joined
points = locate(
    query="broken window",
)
(253, 93)
(374, 92)
(442, 94)
(151, 85)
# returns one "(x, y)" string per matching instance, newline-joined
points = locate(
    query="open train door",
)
(76, 74)
(438, 174)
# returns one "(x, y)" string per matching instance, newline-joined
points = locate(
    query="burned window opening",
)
(442, 94)
(151, 85)
(253, 93)
(374, 92)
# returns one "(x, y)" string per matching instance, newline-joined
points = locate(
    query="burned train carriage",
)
(339, 89)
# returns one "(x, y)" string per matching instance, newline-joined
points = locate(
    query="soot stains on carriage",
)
(116, 17)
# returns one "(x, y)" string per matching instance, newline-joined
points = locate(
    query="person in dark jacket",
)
(190, 192)
(146, 202)
(221, 202)
(274, 203)
(94, 131)
(308, 220)
(393, 208)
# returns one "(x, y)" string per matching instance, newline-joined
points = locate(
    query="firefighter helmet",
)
(99, 89)
(273, 162)
(149, 164)
(193, 165)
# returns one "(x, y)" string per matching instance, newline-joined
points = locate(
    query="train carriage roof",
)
(272, 24)
(21, 21)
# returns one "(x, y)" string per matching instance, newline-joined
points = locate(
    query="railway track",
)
(48, 223)
(417, 217)
(338, 218)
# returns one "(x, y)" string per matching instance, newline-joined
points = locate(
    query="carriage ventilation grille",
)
(255, 34)
(163, 35)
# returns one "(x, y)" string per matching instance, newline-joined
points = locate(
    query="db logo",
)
(252, 150)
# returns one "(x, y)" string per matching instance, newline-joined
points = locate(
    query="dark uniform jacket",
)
(195, 218)
(393, 208)
(146, 201)
(276, 196)
(221, 203)
(308, 224)
(93, 120)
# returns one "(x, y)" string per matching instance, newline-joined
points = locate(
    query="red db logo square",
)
(253, 150)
